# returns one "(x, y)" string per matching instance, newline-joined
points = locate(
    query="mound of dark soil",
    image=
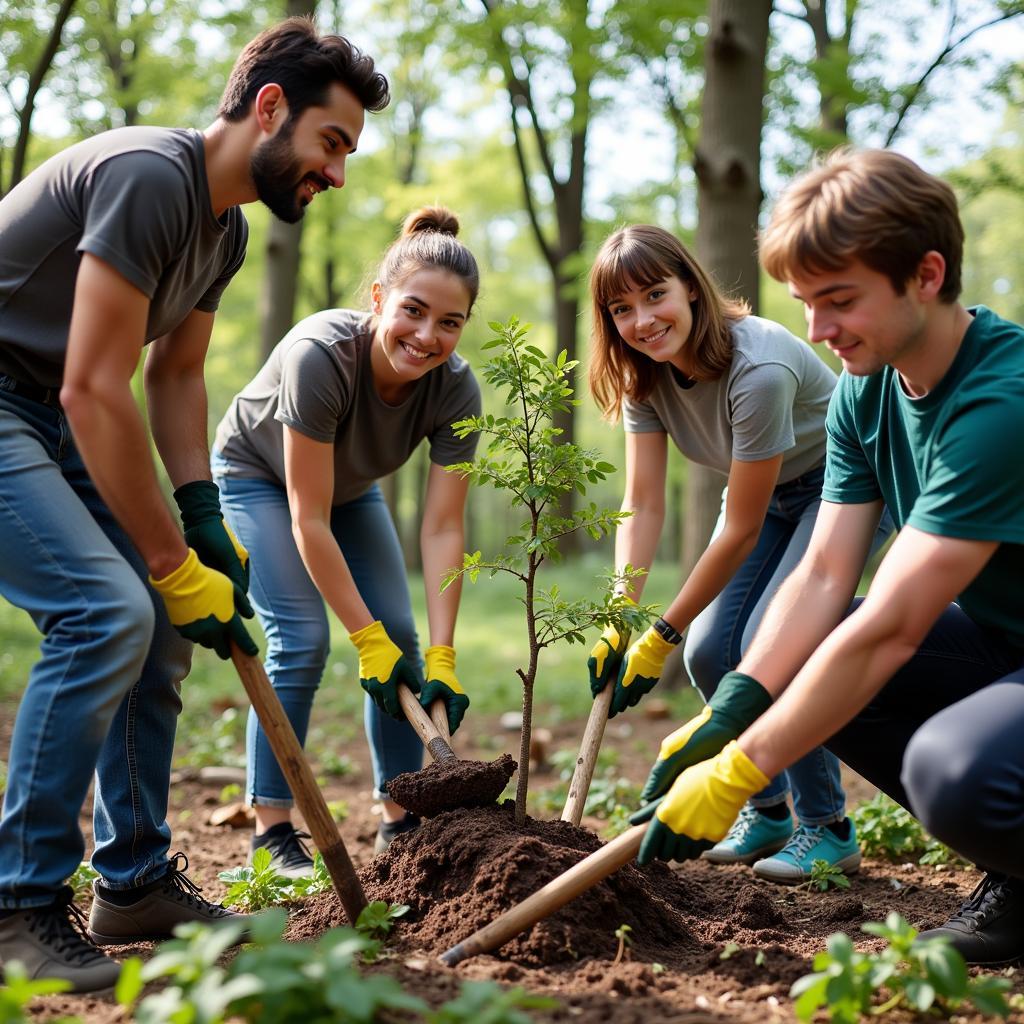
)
(449, 785)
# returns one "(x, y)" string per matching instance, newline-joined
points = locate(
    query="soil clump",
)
(446, 785)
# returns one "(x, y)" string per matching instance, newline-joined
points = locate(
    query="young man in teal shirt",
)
(920, 685)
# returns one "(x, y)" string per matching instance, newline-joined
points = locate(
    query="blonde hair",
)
(640, 256)
(428, 241)
(871, 205)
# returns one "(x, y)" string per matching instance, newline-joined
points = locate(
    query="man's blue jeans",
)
(294, 619)
(105, 693)
(720, 635)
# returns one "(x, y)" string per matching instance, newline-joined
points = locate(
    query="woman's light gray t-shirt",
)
(318, 381)
(771, 401)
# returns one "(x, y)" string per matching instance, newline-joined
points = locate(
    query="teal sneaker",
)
(752, 836)
(792, 864)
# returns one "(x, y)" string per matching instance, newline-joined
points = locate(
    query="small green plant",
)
(232, 791)
(729, 950)
(376, 919)
(824, 875)
(917, 975)
(18, 991)
(319, 882)
(255, 886)
(338, 765)
(222, 743)
(525, 458)
(82, 878)
(657, 968)
(486, 1002)
(338, 810)
(622, 934)
(887, 830)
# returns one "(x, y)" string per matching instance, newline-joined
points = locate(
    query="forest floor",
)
(709, 944)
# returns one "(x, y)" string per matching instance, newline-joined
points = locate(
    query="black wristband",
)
(668, 633)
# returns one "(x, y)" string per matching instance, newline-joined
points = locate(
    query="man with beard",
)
(126, 239)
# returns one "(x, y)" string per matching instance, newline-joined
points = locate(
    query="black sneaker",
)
(51, 942)
(989, 926)
(390, 829)
(174, 899)
(289, 855)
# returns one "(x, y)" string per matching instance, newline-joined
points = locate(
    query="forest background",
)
(544, 124)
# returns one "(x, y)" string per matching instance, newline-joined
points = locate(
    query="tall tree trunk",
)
(727, 164)
(283, 254)
(35, 82)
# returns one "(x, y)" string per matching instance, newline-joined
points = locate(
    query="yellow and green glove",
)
(210, 537)
(382, 666)
(442, 684)
(606, 658)
(204, 605)
(640, 670)
(737, 703)
(700, 807)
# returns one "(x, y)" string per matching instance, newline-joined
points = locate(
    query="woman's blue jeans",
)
(104, 695)
(294, 620)
(719, 636)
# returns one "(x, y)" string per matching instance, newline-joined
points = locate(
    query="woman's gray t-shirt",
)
(771, 401)
(318, 381)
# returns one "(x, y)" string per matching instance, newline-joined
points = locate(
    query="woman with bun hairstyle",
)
(740, 394)
(344, 399)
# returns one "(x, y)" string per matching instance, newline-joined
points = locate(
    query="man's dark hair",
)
(305, 64)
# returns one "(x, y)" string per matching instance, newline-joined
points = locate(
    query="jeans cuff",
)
(827, 819)
(27, 902)
(769, 801)
(154, 875)
(269, 801)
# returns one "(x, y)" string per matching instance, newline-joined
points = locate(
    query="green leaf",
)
(129, 982)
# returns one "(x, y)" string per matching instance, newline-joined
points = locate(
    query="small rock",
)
(221, 775)
(235, 815)
(655, 708)
(511, 721)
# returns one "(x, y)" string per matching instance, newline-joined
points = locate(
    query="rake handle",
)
(433, 736)
(586, 760)
(295, 768)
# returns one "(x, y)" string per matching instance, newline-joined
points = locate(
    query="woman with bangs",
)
(740, 394)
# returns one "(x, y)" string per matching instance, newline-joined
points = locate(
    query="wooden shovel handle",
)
(295, 768)
(439, 748)
(547, 900)
(583, 773)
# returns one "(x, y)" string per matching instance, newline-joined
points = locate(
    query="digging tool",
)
(583, 773)
(449, 783)
(295, 768)
(559, 891)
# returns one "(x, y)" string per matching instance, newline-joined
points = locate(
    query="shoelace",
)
(186, 891)
(802, 840)
(744, 823)
(62, 927)
(987, 896)
(291, 851)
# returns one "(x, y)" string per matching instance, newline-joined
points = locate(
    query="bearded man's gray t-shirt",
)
(137, 198)
(772, 400)
(319, 381)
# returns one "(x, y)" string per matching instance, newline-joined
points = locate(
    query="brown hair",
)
(305, 64)
(428, 241)
(875, 206)
(640, 256)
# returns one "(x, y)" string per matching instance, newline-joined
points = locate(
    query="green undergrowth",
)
(889, 831)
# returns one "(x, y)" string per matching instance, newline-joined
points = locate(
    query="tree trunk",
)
(727, 164)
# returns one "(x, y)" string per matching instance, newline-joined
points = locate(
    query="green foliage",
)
(319, 882)
(885, 829)
(18, 991)
(611, 796)
(377, 919)
(82, 878)
(622, 934)
(232, 791)
(338, 810)
(486, 1002)
(823, 875)
(221, 742)
(255, 886)
(916, 975)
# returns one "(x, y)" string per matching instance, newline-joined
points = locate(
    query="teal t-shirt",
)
(949, 463)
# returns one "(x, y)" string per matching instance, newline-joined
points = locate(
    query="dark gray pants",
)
(945, 738)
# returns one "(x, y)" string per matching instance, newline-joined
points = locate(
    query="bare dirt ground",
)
(729, 945)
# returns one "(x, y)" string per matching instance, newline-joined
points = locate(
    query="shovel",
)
(559, 891)
(295, 768)
(583, 773)
(427, 793)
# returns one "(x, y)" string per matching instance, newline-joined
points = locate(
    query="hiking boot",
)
(390, 829)
(989, 926)
(50, 942)
(173, 900)
(753, 835)
(792, 864)
(289, 855)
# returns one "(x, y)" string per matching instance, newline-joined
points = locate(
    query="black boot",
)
(989, 926)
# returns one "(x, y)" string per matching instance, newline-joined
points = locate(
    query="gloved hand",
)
(203, 606)
(640, 670)
(700, 807)
(441, 684)
(606, 658)
(382, 666)
(210, 537)
(739, 700)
